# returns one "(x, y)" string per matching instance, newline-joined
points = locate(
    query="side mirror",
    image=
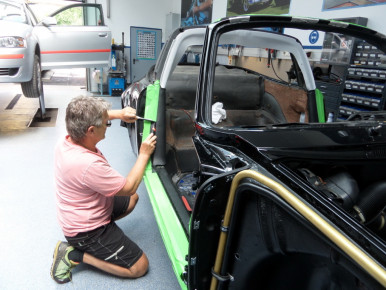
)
(49, 21)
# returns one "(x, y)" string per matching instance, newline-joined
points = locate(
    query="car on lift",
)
(71, 37)
(245, 5)
(250, 6)
(250, 186)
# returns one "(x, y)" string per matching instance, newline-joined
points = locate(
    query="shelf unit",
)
(365, 81)
(332, 92)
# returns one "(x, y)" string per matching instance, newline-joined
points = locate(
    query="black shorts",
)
(108, 242)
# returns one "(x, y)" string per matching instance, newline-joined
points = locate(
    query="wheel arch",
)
(37, 51)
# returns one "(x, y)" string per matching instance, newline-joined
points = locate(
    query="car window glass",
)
(337, 48)
(46, 8)
(182, 84)
(79, 16)
(12, 13)
(258, 84)
(31, 16)
(192, 55)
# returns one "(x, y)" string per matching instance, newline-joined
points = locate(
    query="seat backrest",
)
(181, 88)
(180, 103)
(237, 89)
(292, 100)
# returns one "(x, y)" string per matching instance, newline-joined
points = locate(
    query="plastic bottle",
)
(113, 62)
(330, 117)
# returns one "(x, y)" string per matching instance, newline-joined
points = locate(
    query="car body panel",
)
(66, 47)
(172, 232)
(256, 209)
(14, 58)
(173, 235)
(191, 37)
(17, 57)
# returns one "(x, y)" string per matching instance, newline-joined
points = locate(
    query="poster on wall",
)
(196, 12)
(341, 4)
(146, 44)
(238, 7)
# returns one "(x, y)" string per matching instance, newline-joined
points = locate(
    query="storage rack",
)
(365, 82)
(362, 81)
(332, 92)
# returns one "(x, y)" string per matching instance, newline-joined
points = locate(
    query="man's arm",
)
(127, 114)
(134, 177)
(204, 6)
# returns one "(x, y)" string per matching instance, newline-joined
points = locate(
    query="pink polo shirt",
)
(85, 188)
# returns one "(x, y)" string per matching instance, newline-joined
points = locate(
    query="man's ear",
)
(91, 129)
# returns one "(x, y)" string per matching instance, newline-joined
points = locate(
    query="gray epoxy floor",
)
(28, 224)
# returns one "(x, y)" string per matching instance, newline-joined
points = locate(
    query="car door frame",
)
(164, 67)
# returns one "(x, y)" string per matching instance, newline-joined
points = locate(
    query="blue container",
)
(116, 86)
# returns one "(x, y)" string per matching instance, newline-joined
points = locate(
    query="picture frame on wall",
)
(196, 12)
(239, 7)
(346, 4)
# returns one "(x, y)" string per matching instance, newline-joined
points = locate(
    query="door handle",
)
(134, 60)
(102, 34)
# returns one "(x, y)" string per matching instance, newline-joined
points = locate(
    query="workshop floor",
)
(28, 224)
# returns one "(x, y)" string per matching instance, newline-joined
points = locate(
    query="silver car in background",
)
(72, 37)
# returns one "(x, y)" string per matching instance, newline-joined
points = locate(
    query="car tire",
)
(240, 6)
(245, 5)
(34, 87)
(281, 2)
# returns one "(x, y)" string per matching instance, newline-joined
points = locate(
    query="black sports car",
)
(267, 175)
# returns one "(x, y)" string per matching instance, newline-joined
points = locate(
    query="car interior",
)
(250, 97)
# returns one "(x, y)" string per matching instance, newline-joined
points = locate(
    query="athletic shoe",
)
(62, 266)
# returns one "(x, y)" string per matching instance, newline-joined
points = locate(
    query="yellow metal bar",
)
(371, 266)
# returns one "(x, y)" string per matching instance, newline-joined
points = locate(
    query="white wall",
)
(219, 9)
(126, 13)
(152, 14)
(149, 13)
(312, 8)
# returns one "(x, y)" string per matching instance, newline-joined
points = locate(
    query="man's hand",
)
(204, 6)
(148, 146)
(128, 115)
(135, 175)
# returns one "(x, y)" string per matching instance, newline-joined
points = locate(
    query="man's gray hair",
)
(83, 112)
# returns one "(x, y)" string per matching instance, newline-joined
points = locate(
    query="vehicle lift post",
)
(42, 105)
